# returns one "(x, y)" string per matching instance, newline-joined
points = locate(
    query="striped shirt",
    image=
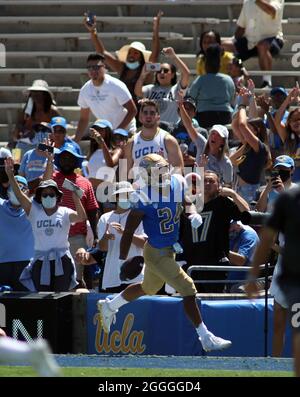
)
(88, 199)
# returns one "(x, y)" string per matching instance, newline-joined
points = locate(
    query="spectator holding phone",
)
(52, 267)
(34, 162)
(59, 134)
(281, 180)
(165, 89)
(101, 155)
(131, 57)
(40, 107)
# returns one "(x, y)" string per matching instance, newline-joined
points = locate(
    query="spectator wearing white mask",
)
(52, 267)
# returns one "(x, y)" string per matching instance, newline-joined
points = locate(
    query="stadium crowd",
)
(232, 150)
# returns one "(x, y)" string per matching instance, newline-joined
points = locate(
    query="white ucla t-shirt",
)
(50, 231)
(106, 101)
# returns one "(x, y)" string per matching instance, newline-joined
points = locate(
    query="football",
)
(131, 268)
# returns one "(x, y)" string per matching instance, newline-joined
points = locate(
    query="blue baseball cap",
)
(284, 161)
(102, 124)
(69, 147)
(120, 131)
(21, 179)
(278, 90)
(58, 121)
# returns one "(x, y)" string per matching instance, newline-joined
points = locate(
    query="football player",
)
(160, 212)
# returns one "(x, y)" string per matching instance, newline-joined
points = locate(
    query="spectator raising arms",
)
(131, 57)
(290, 132)
(253, 154)
(166, 88)
(52, 267)
(211, 153)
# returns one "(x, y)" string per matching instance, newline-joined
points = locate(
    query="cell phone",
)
(69, 185)
(274, 174)
(45, 148)
(152, 67)
(90, 18)
(29, 107)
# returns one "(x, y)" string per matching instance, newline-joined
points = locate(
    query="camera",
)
(274, 174)
(90, 18)
(45, 148)
(152, 67)
(254, 218)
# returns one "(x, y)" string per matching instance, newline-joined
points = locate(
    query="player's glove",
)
(196, 220)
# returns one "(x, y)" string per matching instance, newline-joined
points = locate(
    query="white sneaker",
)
(211, 342)
(107, 315)
(42, 360)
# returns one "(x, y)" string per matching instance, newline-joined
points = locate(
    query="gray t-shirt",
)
(166, 98)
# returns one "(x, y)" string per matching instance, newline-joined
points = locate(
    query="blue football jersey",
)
(162, 214)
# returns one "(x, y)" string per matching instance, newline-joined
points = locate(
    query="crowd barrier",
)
(148, 326)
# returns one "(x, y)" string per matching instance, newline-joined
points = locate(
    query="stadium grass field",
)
(6, 371)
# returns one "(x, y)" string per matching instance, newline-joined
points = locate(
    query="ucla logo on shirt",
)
(48, 223)
(144, 151)
(49, 231)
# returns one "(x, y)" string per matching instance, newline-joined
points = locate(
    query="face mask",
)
(49, 202)
(125, 205)
(284, 175)
(12, 198)
(132, 65)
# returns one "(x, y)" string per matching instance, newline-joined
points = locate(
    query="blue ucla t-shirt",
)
(162, 214)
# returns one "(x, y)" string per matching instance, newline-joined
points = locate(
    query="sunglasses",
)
(94, 67)
(48, 194)
(165, 70)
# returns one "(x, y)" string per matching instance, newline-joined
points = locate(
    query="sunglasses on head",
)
(94, 67)
(48, 194)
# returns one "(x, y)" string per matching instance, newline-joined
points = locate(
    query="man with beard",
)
(67, 160)
(106, 97)
(209, 244)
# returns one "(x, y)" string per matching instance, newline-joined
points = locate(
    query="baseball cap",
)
(58, 121)
(21, 179)
(284, 161)
(102, 124)
(122, 187)
(120, 131)
(190, 100)
(278, 90)
(68, 147)
(221, 130)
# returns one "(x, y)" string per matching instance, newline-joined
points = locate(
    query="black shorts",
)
(244, 53)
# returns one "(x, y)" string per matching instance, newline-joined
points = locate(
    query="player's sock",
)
(202, 330)
(13, 350)
(117, 302)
